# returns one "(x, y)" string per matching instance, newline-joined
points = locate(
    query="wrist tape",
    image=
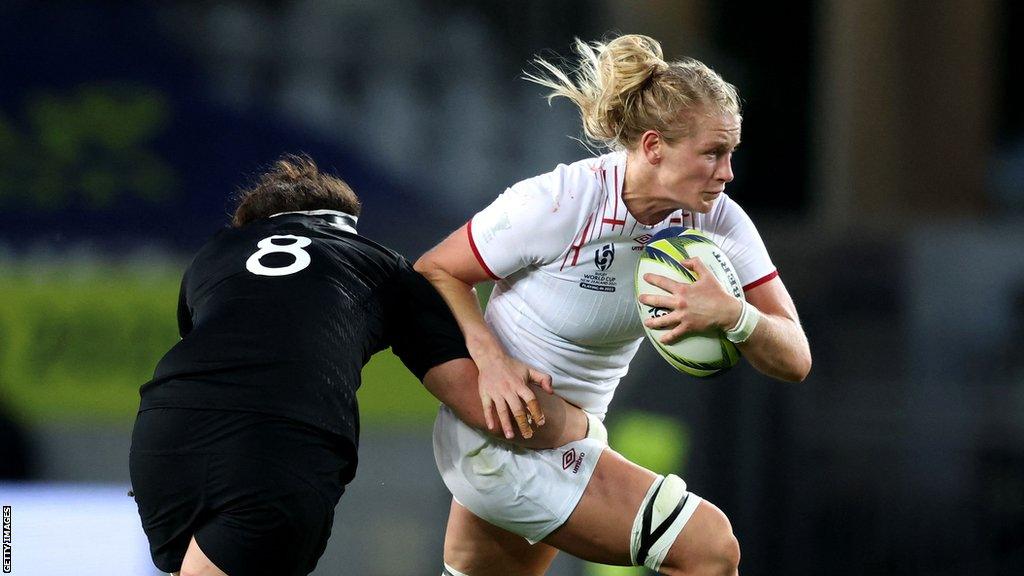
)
(749, 317)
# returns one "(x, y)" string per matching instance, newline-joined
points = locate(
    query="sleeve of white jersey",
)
(736, 234)
(531, 223)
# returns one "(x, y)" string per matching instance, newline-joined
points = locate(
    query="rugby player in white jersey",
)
(562, 248)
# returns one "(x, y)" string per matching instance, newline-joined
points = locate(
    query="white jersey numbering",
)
(563, 250)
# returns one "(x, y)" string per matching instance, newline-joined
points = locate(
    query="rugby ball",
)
(699, 354)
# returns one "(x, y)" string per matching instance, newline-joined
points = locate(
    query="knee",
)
(722, 556)
(727, 554)
(708, 548)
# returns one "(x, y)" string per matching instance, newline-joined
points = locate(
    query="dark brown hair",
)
(294, 183)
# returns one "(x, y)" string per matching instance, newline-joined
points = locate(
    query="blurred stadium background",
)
(883, 161)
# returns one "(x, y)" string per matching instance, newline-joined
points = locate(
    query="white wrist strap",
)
(744, 327)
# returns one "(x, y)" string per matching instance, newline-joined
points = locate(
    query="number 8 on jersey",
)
(267, 246)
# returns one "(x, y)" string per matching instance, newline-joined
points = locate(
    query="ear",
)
(651, 144)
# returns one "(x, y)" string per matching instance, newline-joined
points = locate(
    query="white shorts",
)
(527, 492)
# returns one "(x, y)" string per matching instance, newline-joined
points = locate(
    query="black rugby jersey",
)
(280, 316)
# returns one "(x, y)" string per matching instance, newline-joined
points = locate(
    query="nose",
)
(723, 172)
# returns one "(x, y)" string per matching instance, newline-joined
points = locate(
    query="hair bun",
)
(624, 86)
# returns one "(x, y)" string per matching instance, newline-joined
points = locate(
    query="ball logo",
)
(604, 256)
(657, 312)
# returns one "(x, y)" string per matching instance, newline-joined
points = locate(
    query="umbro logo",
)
(570, 459)
(642, 241)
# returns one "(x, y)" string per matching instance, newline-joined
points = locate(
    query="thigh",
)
(196, 563)
(526, 492)
(247, 515)
(256, 492)
(263, 518)
(599, 529)
(168, 490)
(478, 548)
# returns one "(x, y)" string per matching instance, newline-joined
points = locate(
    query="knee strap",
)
(449, 571)
(662, 515)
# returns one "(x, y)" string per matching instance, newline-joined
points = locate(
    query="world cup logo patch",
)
(604, 256)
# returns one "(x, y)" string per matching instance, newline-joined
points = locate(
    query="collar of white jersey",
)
(336, 218)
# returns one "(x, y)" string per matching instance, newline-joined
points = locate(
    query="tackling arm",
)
(455, 384)
(503, 382)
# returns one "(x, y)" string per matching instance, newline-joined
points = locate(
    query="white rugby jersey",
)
(563, 250)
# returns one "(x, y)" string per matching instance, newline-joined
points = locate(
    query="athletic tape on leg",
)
(595, 428)
(665, 510)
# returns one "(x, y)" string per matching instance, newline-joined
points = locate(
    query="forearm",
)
(454, 384)
(504, 382)
(778, 348)
(480, 341)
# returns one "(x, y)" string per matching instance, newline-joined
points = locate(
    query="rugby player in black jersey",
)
(247, 434)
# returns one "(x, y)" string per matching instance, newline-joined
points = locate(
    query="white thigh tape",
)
(663, 514)
(595, 428)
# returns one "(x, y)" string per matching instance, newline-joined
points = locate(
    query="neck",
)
(640, 193)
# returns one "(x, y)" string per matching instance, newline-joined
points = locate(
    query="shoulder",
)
(578, 184)
(726, 214)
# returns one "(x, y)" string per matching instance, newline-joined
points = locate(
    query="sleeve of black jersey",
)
(184, 313)
(420, 327)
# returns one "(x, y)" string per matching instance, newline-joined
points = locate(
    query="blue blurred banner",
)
(108, 135)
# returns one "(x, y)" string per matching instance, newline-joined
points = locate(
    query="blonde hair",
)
(624, 87)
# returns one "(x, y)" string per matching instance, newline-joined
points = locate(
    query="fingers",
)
(533, 416)
(541, 379)
(666, 284)
(525, 420)
(506, 422)
(508, 394)
(535, 412)
(672, 336)
(695, 264)
(658, 301)
(662, 322)
(488, 416)
(524, 424)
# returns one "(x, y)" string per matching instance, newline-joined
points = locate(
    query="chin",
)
(705, 206)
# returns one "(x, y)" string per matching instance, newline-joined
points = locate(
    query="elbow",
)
(792, 368)
(800, 368)
(427, 266)
(423, 264)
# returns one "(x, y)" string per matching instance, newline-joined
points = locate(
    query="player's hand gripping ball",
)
(698, 353)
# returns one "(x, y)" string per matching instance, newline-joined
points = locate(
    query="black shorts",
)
(256, 491)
